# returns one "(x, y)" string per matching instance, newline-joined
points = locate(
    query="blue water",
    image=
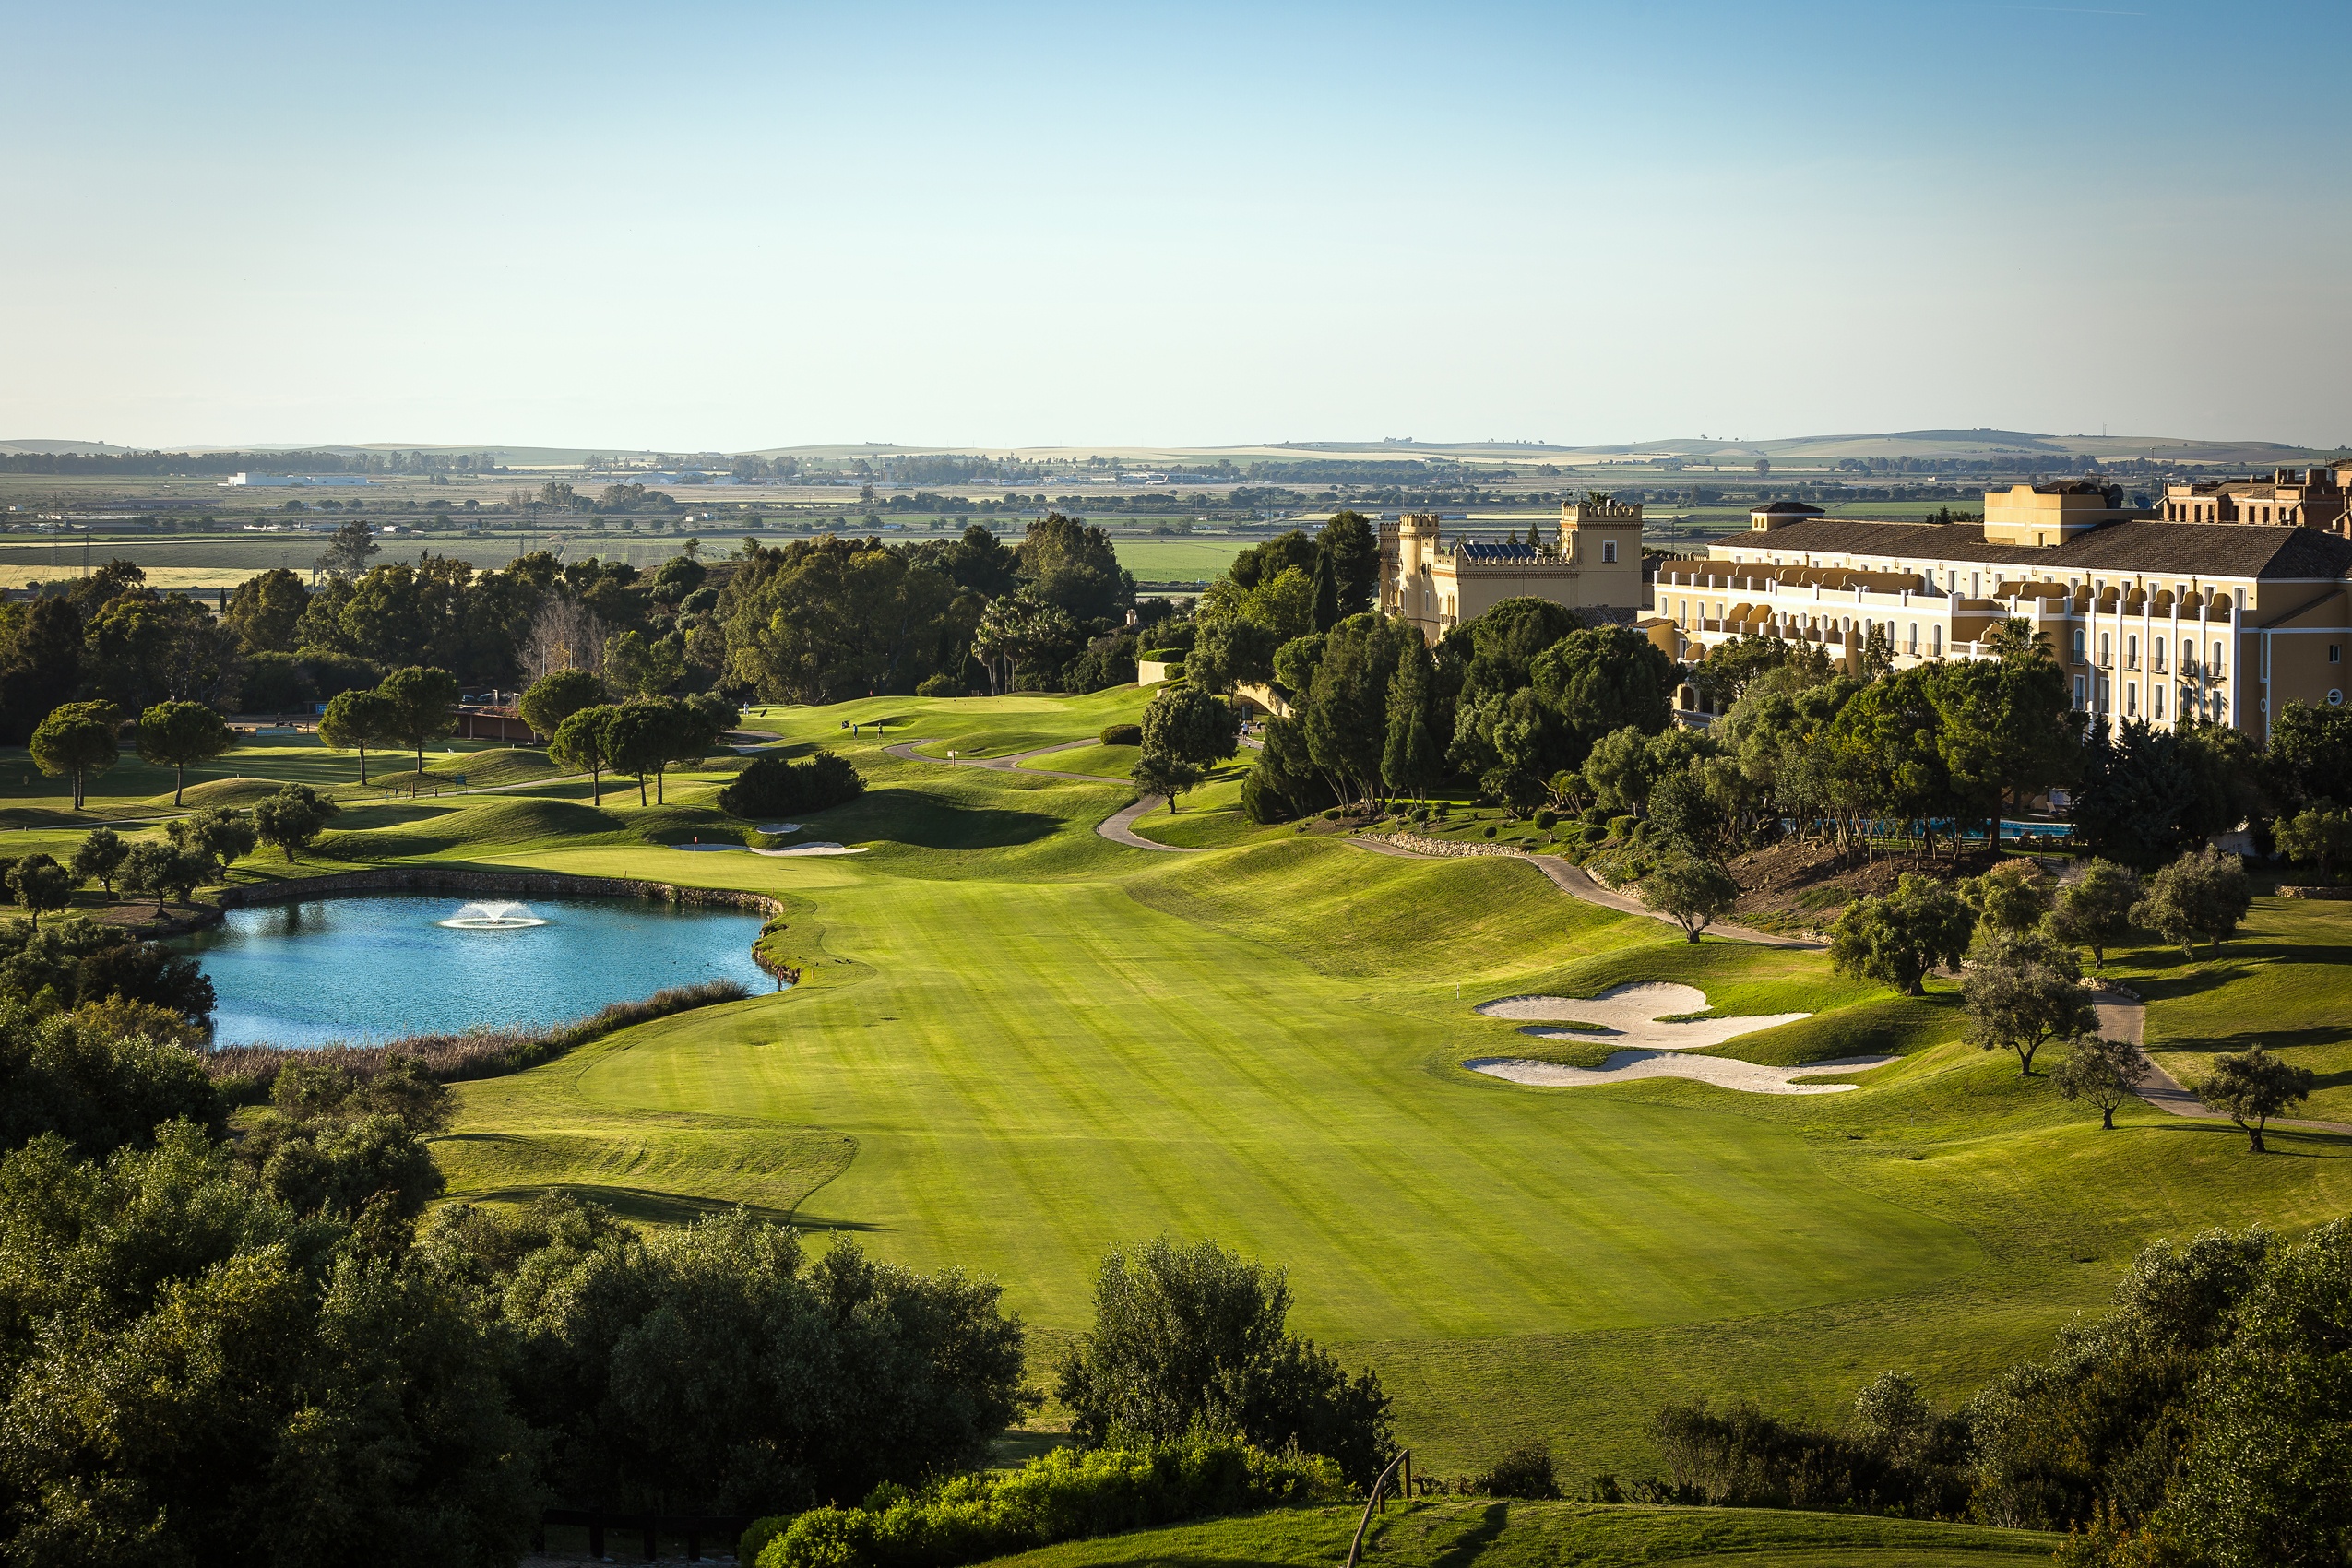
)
(373, 968)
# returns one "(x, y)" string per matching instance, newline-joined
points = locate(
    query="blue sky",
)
(733, 226)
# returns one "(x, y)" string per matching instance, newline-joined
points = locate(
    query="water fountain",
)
(495, 915)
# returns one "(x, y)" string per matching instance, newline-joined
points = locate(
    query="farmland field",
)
(1015, 1044)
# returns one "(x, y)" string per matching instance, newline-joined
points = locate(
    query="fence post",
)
(1356, 1547)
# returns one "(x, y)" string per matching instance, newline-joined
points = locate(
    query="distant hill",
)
(61, 448)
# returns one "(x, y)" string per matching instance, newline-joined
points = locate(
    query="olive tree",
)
(99, 856)
(1897, 938)
(2199, 898)
(291, 818)
(38, 882)
(2095, 910)
(2025, 990)
(2252, 1087)
(2100, 1071)
(1690, 888)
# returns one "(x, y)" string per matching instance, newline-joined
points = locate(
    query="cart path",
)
(1575, 881)
(2123, 1017)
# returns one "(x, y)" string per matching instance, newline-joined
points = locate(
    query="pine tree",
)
(1408, 760)
(1326, 592)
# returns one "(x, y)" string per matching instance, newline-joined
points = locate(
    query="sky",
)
(730, 227)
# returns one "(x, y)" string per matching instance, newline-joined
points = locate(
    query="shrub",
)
(773, 787)
(1068, 1494)
(1622, 828)
(1525, 1471)
(1420, 813)
(1547, 819)
(1122, 734)
(1598, 817)
(1443, 811)
(1490, 830)
(943, 684)
(758, 1533)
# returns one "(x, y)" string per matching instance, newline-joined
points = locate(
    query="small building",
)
(1594, 566)
(2304, 498)
(482, 722)
(294, 481)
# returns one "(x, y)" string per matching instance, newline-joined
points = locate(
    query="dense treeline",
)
(811, 621)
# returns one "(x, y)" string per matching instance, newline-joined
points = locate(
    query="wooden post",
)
(1356, 1547)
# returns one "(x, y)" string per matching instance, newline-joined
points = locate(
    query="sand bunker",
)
(1637, 1016)
(1721, 1071)
(824, 847)
(1642, 1016)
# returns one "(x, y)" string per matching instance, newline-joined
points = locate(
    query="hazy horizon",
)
(728, 227)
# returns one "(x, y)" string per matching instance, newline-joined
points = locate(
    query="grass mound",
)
(233, 793)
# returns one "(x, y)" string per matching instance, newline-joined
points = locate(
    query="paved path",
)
(1119, 827)
(1575, 881)
(2121, 1017)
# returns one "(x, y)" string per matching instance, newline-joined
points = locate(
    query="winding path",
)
(2121, 1018)
(1119, 827)
(1575, 881)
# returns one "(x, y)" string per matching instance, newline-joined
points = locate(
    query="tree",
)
(2314, 837)
(355, 720)
(78, 740)
(98, 857)
(1349, 543)
(216, 834)
(1195, 1339)
(422, 702)
(1346, 699)
(2009, 899)
(2308, 757)
(555, 696)
(1073, 567)
(1411, 755)
(348, 552)
(641, 666)
(156, 866)
(293, 817)
(1156, 773)
(581, 747)
(264, 609)
(173, 734)
(2016, 638)
(1897, 938)
(1690, 887)
(1192, 726)
(2252, 1087)
(2200, 895)
(37, 882)
(2095, 910)
(42, 668)
(2100, 1071)
(1326, 593)
(2024, 990)
(2149, 795)
(640, 740)
(2264, 1483)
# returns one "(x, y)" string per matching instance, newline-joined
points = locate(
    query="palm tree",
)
(2016, 638)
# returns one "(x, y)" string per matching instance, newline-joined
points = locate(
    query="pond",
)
(371, 968)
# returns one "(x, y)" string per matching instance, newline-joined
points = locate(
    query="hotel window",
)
(1935, 641)
(2078, 646)
(2156, 653)
(2106, 651)
(2335, 653)
(2221, 710)
(2131, 651)
(2156, 696)
(1911, 645)
(2132, 700)
(1973, 577)
(2106, 695)
(2078, 693)
(2216, 658)
(1608, 550)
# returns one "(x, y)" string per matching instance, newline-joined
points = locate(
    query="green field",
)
(1016, 1045)
(1508, 1534)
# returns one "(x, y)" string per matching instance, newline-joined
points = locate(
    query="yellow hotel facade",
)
(2153, 619)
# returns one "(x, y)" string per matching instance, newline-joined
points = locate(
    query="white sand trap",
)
(779, 828)
(1625, 1065)
(1636, 1016)
(827, 847)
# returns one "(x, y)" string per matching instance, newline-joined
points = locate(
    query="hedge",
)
(773, 787)
(1068, 1494)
